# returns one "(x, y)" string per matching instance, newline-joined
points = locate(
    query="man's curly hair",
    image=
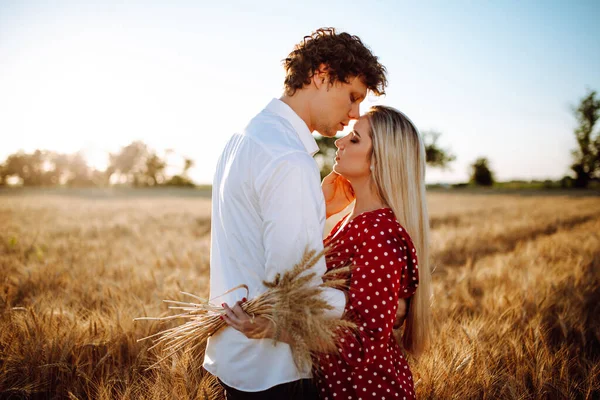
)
(345, 56)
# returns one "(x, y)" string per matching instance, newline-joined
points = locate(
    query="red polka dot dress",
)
(370, 363)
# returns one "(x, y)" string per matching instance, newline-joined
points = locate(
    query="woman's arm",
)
(379, 282)
(401, 312)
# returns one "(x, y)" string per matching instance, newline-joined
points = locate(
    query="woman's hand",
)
(338, 193)
(252, 327)
(400, 313)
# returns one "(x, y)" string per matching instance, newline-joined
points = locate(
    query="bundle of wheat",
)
(292, 302)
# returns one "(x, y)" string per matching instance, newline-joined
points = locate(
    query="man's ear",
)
(321, 76)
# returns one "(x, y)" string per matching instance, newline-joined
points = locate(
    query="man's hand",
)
(252, 327)
(400, 314)
(338, 193)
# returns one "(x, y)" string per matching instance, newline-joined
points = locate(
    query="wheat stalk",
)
(292, 302)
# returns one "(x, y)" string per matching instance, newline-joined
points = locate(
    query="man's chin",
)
(327, 133)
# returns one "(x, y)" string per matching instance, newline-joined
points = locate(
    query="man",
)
(268, 205)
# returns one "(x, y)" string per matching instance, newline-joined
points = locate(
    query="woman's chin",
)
(338, 171)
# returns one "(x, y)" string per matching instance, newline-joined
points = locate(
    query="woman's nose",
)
(338, 143)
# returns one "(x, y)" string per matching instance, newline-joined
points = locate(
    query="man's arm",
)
(292, 205)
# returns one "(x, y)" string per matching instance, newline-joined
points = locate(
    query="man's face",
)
(335, 105)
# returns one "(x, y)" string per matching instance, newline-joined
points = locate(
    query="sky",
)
(496, 79)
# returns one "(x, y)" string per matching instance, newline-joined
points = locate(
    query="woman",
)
(382, 163)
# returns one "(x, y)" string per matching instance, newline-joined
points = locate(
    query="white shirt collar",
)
(280, 108)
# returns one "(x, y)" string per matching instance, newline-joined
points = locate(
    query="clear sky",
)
(497, 79)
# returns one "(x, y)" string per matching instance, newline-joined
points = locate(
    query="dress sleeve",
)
(386, 269)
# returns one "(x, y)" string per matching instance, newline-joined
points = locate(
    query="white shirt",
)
(267, 207)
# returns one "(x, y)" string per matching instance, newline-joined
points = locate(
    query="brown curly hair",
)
(345, 55)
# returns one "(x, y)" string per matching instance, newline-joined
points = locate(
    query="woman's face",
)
(353, 158)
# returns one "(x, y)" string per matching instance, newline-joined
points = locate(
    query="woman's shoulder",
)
(389, 241)
(374, 218)
(383, 226)
(378, 225)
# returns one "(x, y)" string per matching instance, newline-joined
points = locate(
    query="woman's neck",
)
(367, 199)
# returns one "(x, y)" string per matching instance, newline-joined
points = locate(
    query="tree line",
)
(135, 164)
(586, 157)
(140, 166)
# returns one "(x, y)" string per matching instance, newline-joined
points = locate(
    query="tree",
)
(14, 165)
(28, 167)
(47, 168)
(587, 157)
(180, 180)
(188, 163)
(62, 166)
(436, 156)
(183, 179)
(79, 172)
(138, 165)
(481, 174)
(154, 171)
(129, 163)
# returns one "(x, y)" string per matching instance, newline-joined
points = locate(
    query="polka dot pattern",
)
(370, 364)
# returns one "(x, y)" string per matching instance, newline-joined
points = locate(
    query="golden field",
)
(516, 285)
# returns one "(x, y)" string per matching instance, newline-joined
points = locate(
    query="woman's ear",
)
(372, 161)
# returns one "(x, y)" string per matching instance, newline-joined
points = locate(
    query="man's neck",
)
(299, 104)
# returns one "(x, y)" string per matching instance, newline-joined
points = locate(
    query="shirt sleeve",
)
(293, 213)
(386, 270)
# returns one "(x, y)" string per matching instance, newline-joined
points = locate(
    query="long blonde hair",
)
(398, 161)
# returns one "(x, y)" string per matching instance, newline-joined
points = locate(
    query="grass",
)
(516, 283)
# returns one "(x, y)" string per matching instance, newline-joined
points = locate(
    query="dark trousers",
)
(297, 390)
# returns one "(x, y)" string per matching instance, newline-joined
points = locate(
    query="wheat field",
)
(516, 295)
